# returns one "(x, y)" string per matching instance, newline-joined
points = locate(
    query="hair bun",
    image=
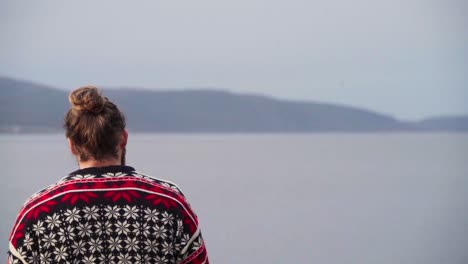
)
(87, 98)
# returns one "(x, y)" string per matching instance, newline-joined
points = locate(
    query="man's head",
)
(95, 127)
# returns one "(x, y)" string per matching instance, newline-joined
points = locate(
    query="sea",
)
(328, 198)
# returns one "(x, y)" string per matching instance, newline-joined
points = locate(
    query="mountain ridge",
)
(30, 107)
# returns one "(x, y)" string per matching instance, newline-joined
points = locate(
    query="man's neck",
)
(98, 163)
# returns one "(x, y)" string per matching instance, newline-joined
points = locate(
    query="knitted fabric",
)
(107, 215)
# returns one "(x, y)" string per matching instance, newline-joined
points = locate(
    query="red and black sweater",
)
(107, 215)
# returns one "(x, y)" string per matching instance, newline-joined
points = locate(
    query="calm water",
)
(319, 198)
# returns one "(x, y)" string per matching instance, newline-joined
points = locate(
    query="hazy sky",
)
(407, 58)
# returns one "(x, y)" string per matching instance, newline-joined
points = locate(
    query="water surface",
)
(312, 198)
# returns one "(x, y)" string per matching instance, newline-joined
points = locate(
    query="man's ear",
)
(71, 147)
(123, 139)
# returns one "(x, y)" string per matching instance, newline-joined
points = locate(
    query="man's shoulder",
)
(73, 184)
(40, 201)
(168, 185)
(44, 193)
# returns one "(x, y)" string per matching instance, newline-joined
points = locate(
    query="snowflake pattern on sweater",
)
(107, 215)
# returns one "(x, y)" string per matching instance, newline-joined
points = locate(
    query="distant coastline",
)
(27, 107)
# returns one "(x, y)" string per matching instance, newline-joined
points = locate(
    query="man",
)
(105, 212)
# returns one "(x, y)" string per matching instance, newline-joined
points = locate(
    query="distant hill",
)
(29, 107)
(445, 123)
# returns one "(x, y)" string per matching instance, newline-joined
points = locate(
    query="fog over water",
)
(311, 198)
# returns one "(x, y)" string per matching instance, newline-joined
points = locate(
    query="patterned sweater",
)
(107, 215)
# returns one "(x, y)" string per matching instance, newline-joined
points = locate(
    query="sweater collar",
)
(103, 170)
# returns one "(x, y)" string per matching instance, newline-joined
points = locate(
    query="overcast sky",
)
(407, 58)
